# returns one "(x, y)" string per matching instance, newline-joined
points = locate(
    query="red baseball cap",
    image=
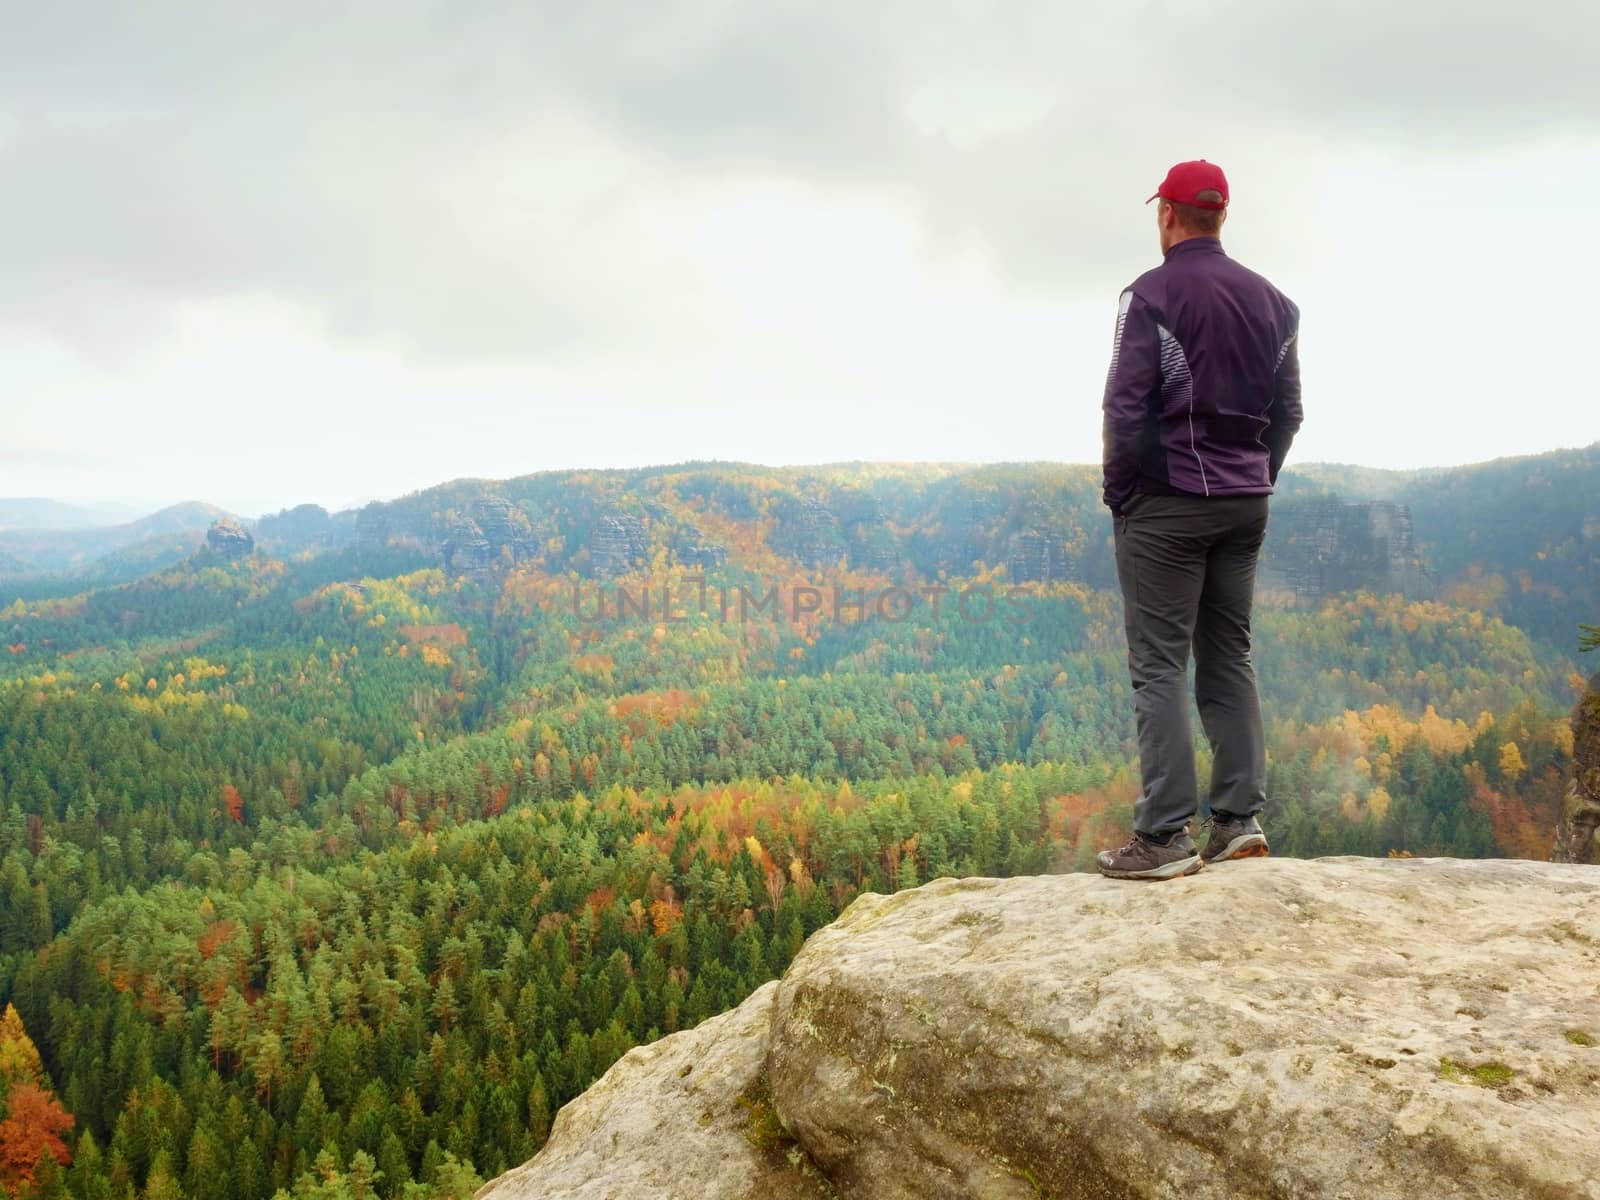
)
(1187, 180)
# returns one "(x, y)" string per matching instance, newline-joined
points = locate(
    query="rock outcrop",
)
(1035, 557)
(807, 530)
(1578, 835)
(694, 549)
(1315, 547)
(870, 541)
(491, 532)
(502, 524)
(618, 542)
(465, 550)
(1270, 1029)
(229, 539)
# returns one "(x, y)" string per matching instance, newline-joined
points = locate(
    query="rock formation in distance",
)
(229, 539)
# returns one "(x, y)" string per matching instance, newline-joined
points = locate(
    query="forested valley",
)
(333, 864)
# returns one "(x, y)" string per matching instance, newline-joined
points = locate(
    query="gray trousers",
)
(1187, 565)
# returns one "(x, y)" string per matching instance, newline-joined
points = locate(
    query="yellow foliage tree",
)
(1511, 764)
(19, 1057)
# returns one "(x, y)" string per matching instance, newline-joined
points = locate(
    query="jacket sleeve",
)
(1284, 414)
(1134, 378)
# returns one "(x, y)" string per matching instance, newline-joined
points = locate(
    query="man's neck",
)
(1202, 242)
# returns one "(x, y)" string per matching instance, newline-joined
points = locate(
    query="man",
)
(1201, 403)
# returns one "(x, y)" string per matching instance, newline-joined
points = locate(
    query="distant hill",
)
(39, 513)
(1516, 537)
(1348, 479)
(108, 552)
(304, 527)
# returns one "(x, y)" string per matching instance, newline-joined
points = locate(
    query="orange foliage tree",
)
(33, 1127)
(34, 1121)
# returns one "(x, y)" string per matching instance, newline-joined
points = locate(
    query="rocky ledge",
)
(1274, 1029)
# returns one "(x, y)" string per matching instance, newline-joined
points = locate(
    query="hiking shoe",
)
(1143, 859)
(1233, 837)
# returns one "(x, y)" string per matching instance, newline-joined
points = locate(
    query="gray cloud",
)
(480, 181)
(1480, 73)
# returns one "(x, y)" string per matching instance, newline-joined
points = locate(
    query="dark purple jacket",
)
(1203, 395)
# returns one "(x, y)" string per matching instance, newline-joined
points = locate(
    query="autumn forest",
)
(339, 850)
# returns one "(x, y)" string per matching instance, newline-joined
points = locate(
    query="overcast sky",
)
(260, 254)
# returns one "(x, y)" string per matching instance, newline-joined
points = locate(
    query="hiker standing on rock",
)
(1201, 404)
